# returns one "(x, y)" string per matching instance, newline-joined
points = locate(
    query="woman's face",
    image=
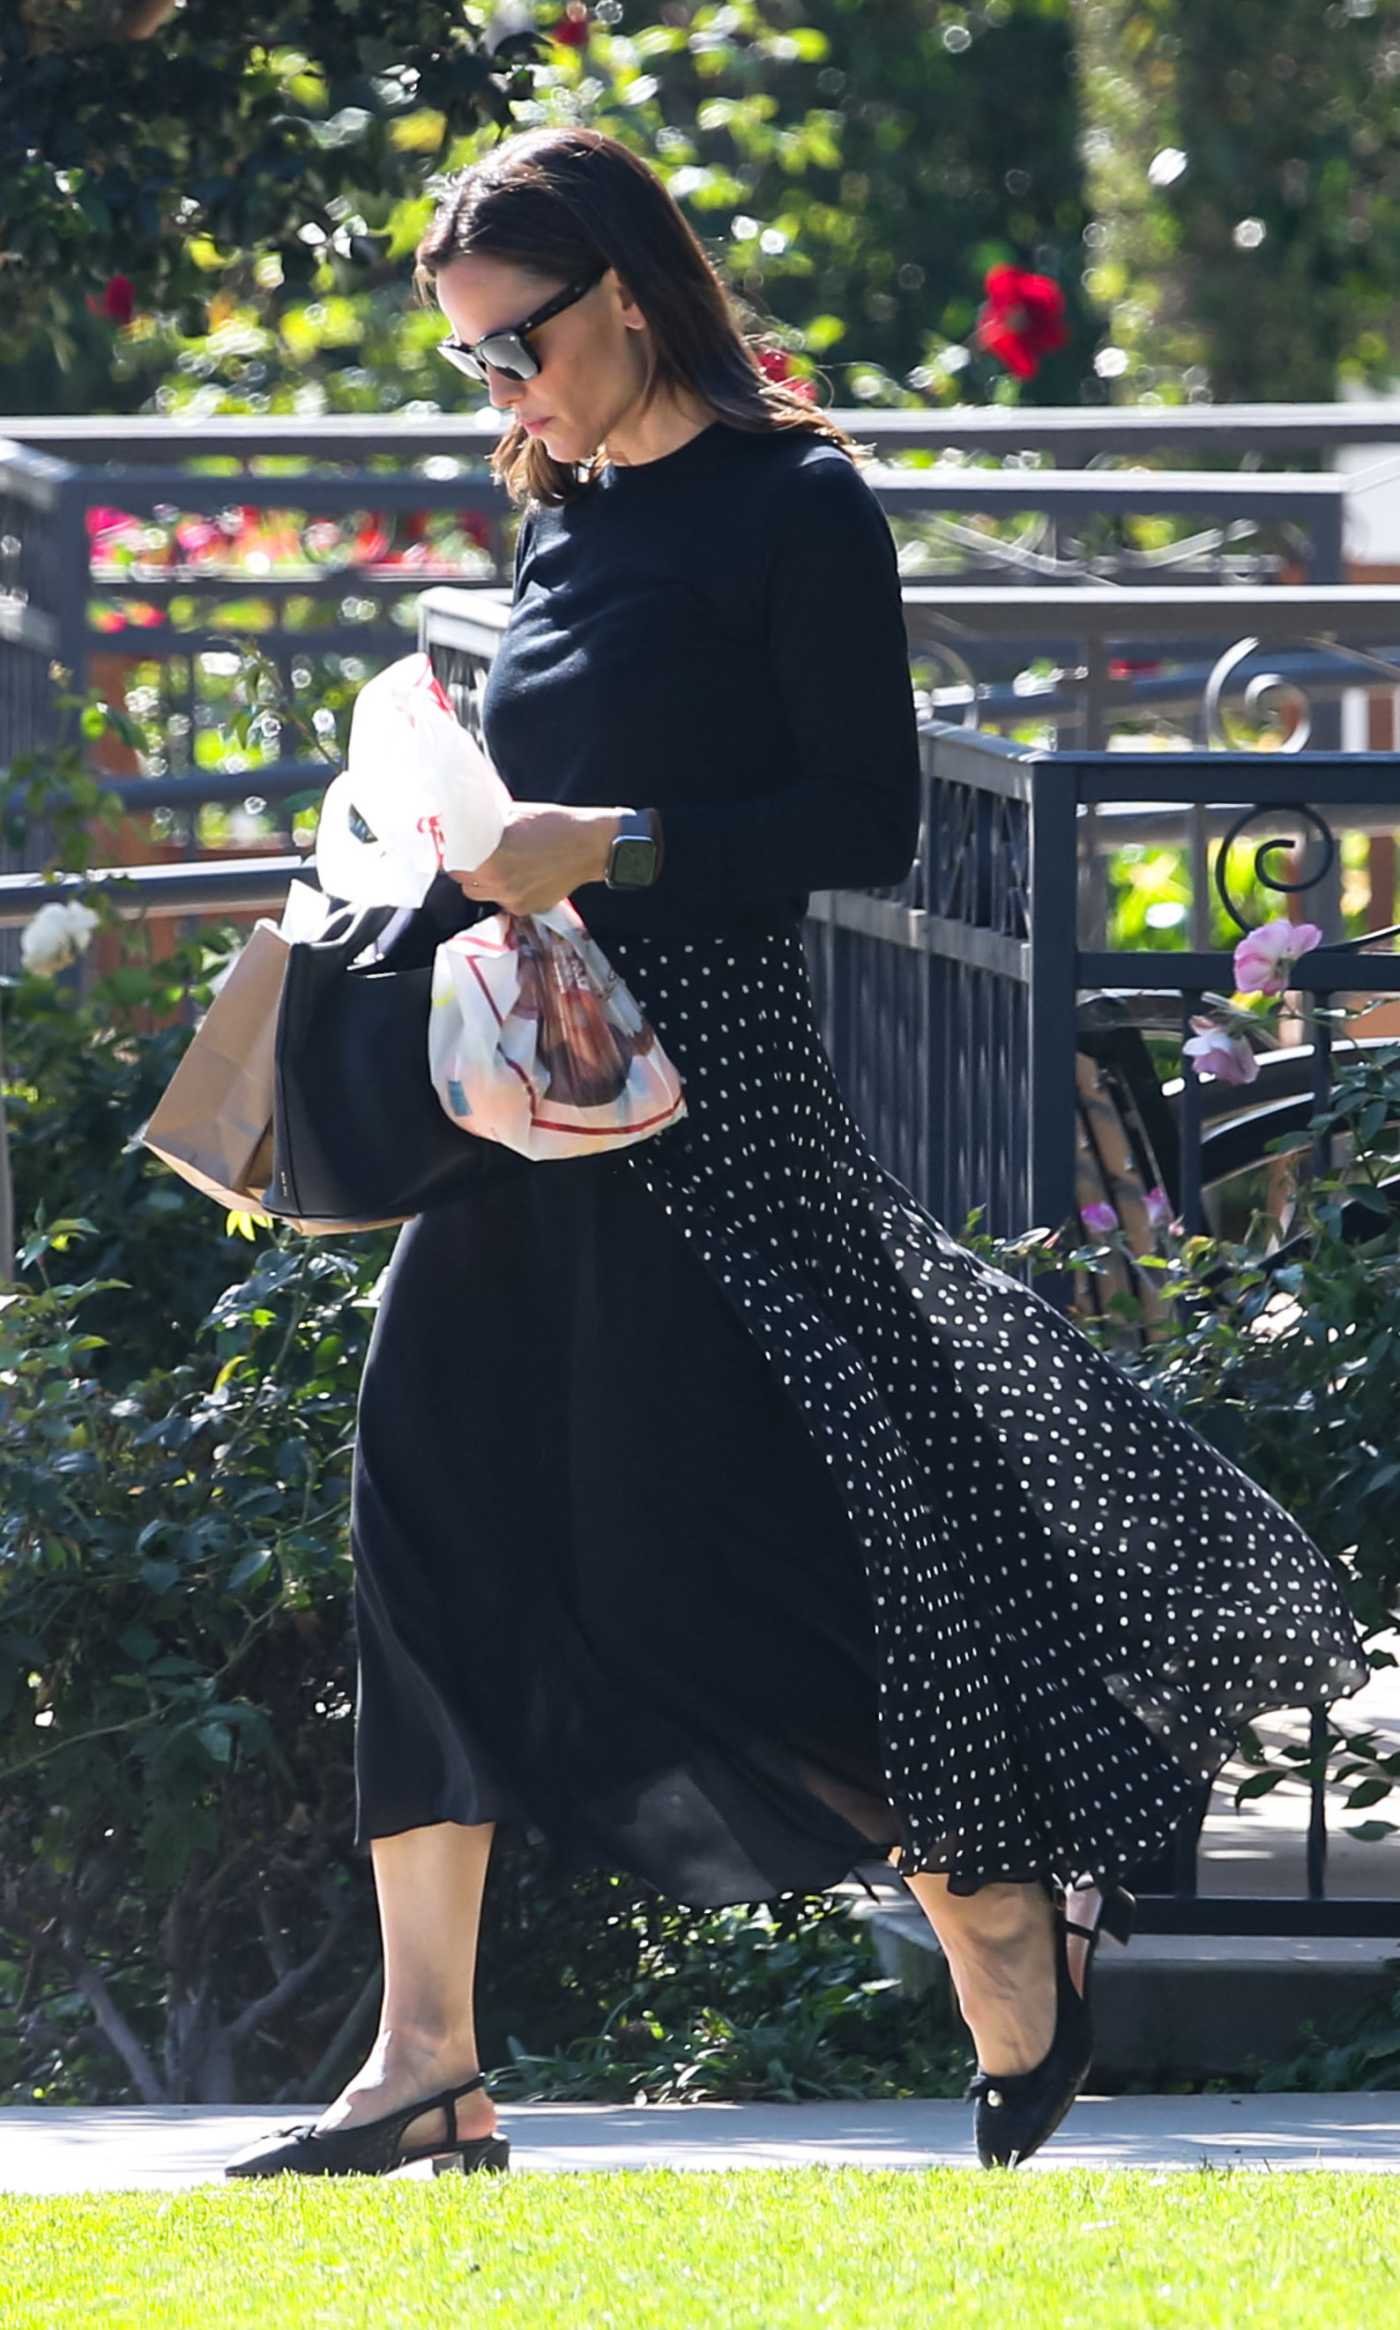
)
(591, 355)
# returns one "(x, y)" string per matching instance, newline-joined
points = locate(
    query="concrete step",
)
(1183, 2005)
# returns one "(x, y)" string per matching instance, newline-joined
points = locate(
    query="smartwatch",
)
(634, 858)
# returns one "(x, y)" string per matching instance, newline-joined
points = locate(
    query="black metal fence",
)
(977, 959)
(69, 607)
(957, 1008)
(950, 1003)
(71, 614)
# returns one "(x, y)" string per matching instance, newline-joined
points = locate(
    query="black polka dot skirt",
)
(720, 1518)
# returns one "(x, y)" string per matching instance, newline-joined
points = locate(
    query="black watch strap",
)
(634, 859)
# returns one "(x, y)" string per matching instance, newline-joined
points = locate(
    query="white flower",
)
(55, 937)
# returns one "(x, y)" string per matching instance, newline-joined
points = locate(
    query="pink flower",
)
(1214, 1052)
(1265, 956)
(1159, 1207)
(1100, 1218)
(572, 28)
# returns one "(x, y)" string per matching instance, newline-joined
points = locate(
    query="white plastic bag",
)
(536, 1041)
(417, 793)
(305, 912)
(533, 1039)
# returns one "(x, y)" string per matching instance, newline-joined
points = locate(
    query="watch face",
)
(633, 862)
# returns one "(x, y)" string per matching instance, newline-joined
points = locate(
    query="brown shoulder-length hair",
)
(561, 201)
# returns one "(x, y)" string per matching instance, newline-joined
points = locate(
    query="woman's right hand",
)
(545, 853)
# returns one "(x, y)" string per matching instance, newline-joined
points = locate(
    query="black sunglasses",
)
(507, 351)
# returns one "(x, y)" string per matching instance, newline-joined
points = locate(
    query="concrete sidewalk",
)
(66, 2149)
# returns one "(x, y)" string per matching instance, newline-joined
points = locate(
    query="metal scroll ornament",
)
(1268, 697)
(1262, 874)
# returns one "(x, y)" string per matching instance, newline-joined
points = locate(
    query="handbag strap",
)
(349, 929)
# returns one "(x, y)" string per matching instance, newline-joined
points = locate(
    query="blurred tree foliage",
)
(224, 150)
(1245, 175)
(855, 166)
(221, 208)
(862, 192)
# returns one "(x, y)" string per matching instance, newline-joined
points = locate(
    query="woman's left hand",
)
(545, 852)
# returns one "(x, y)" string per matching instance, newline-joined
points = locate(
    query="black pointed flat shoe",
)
(372, 2148)
(1017, 2110)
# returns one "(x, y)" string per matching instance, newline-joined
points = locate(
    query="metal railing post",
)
(1051, 1028)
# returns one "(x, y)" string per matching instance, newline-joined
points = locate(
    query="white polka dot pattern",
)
(1077, 1600)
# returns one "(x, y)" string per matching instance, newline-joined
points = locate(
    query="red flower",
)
(773, 364)
(119, 299)
(1022, 321)
(572, 29)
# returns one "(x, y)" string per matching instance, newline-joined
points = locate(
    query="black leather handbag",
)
(359, 1137)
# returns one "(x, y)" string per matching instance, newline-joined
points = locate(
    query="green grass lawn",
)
(778, 2249)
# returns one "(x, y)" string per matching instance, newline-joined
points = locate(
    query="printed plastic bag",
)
(535, 1040)
(417, 793)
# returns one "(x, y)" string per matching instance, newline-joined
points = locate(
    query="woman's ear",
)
(631, 314)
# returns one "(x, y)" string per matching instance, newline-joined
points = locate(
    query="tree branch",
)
(146, 17)
(291, 1985)
(319, 2079)
(64, 26)
(272, 1941)
(112, 2023)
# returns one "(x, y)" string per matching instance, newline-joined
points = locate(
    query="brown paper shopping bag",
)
(213, 1122)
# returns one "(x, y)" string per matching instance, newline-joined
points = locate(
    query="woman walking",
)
(716, 1515)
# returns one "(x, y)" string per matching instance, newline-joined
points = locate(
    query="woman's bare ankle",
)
(406, 2041)
(999, 1944)
(408, 2061)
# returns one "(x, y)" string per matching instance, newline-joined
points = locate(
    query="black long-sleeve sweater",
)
(717, 634)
